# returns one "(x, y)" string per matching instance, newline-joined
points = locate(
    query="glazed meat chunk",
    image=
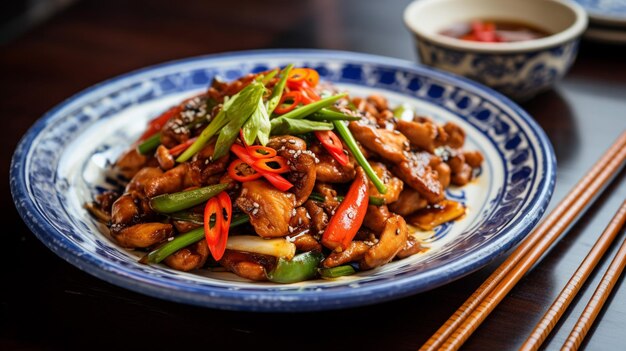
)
(269, 209)
(417, 173)
(425, 135)
(389, 145)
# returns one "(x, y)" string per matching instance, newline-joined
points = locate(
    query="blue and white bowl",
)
(518, 69)
(64, 160)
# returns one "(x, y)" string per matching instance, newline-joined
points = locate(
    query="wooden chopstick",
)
(596, 302)
(562, 302)
(554, 224)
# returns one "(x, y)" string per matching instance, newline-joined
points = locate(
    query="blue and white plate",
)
(608, 12)
(62, 162)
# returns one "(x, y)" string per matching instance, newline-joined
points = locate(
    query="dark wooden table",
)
(47, 303)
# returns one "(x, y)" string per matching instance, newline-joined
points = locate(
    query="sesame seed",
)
(291, 141)
(283, 140)
(300, 221)
(256, 204)
(398, 231)
(255, 211)
(308, 215)
(291, 229)
(293, 212)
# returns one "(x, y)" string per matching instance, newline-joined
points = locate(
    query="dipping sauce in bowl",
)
(494, 31)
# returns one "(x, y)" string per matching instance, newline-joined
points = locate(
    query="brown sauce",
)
(494, 31)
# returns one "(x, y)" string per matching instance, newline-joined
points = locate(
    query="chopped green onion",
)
(150, 144)
(170, 203)
(358, 155)
(330, 115)
(268, 77)
(313, 107)
(282, 126)
(274, 99)
(338, 271)
(258, 125)
(245, 105)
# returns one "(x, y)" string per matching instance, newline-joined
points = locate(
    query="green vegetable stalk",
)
(247, 102)
(301, 267)
(338, 271)
(233, 110)
(306, 110)
(282, 125)
(278, 90)
(170, 203)
(184, 240)
(330, 115)
(358, 155)
(149, 144)
(258, 125)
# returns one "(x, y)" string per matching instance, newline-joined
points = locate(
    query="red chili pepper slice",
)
(265, 164)
(236, 173)
(312, 78)
(213, 233)
(226, 212)
(299, 76)
(178, 149)
(333, 145)
(308, 95)
(284, 105)
(276, 180)
(260, 152)
(349, 216)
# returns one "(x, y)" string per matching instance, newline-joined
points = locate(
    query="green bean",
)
(169, 203)
(184, 240)
(347, 136)
(149, 144)
(306, 110)
(338, 271)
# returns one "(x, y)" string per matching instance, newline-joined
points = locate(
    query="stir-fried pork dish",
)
(277, 176)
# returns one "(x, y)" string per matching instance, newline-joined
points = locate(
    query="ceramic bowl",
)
(517, 69)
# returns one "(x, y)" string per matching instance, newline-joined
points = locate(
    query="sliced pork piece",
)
(247, 265)
(409, 202)
(425, 135)
(353, 253)
(191, 257)
(418, 174)
(393, 184)
(390, 145)
(392, 240)
(301, 163)
(269, 208)
(328, 170)
(376, 217)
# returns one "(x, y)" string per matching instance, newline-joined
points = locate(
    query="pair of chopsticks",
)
(460, 326)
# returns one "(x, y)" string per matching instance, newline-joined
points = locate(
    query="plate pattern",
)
(44, 179)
